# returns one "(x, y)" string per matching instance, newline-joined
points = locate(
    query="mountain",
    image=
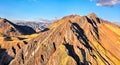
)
(37, 26)
(72, 40)
(117, 23)
(41, 20)
(10, 29)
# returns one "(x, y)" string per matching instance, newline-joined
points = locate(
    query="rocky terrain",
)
(72, 40)
(8, 28)
(11, 34)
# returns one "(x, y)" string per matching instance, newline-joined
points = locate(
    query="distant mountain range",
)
(39, 24)
(117, 23)
(34, 25)
(41, 20)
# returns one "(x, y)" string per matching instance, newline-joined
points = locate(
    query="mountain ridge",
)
(73, 40)
(10, 29)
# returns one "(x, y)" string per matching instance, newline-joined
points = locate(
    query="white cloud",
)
(107, 2)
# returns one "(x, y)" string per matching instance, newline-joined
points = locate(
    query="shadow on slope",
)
(85, 62)
(79, 32)
(81, 36)
(4, 57)
(72, 53)
(94, 25)
(25, 30)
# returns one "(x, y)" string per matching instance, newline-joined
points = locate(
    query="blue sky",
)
(49, 9)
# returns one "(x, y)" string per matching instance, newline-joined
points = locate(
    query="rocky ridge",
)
(72, 40)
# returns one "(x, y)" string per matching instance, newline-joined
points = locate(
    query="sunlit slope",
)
(74, 40)
(12, 34)
(13, 41)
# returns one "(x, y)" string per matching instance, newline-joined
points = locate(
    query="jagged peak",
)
(71, 16)
(65, 19)
(92, 15)
(74, 18)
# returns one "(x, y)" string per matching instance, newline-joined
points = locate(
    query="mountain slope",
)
(73, 40)
(10, 29)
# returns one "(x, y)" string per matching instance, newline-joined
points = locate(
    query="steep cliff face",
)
(73, 40)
